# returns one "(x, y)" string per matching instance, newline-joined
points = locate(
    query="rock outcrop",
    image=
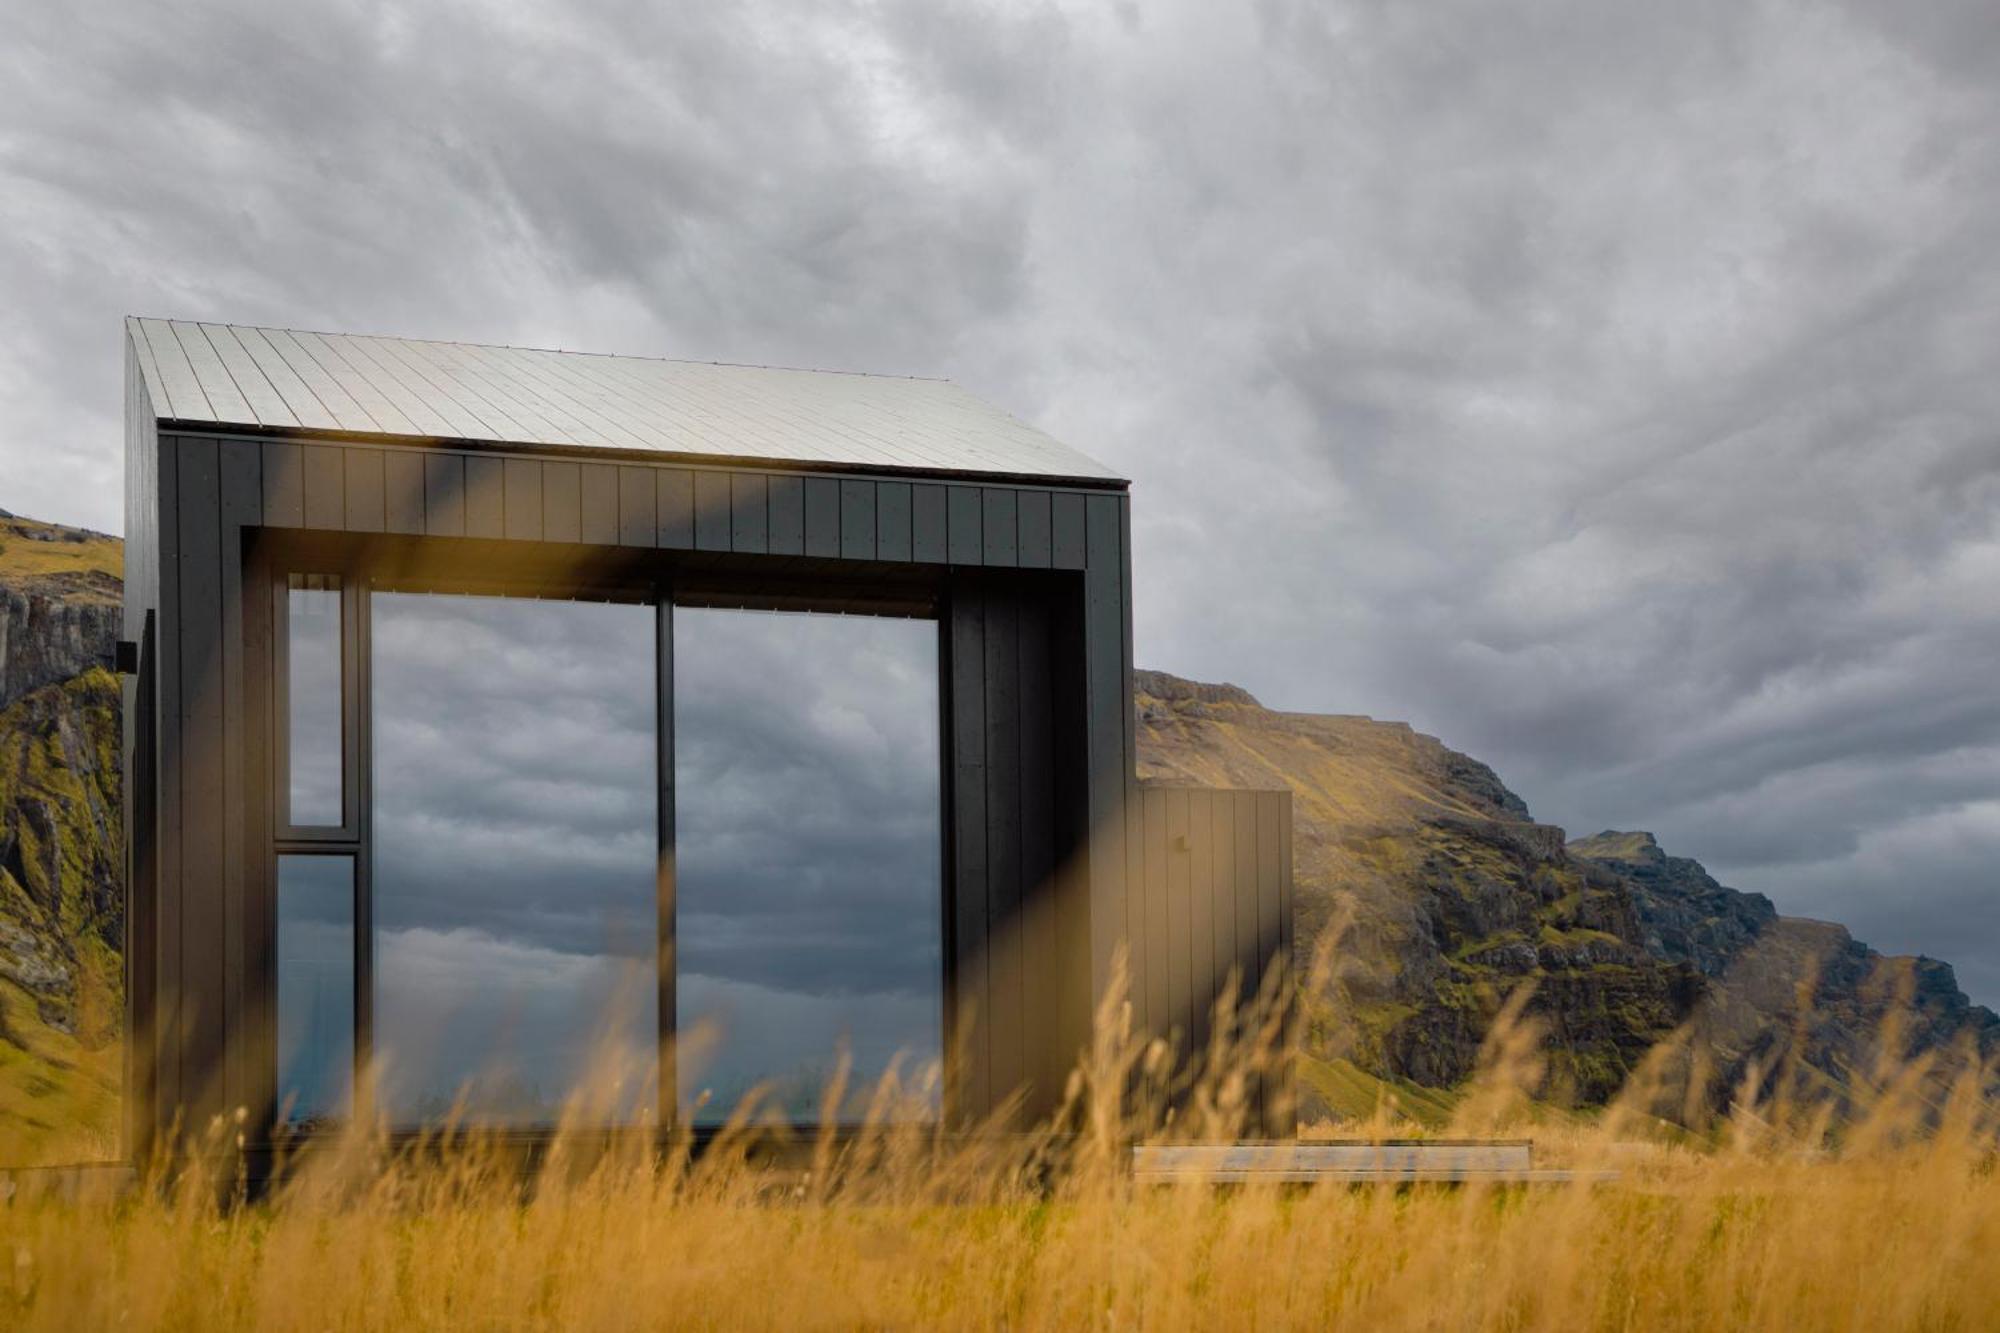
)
(1449, 898)
(59, 603)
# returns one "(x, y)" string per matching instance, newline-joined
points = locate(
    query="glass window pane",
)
(807, 831)
(515, 824)
(315, 988)
(312, 650)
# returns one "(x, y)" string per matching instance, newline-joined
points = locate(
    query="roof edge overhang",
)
(612, 454)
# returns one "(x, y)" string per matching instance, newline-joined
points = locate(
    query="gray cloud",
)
(1607, 390)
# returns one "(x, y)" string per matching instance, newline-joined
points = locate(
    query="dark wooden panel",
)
(636, 518)
(562, 502)
(367, 506)
(1243, 891)
(711, 511)
(1270, 866)
(1131, 925)
(1000, 533)
(1003, 842)
(284, 486)
(1128, 712)
(927, 524)
(1072, 827)
(241, 465)
(822, 517)
(787, 508)
(1042, 982)
(1180, 937)
(598, 495)
(1108, 696)
(968, 798)
(523, 483)
(857, 520)
(444, 495)
(325, 486)
(749, 514)
(1033, 526)
(170, 995)
(485, 497)
(675, 496)
(1067, 535)
(257, 1042)
(962, 539)
(1284, 1114)
(892, 521)
(1201, 917)
(1222, 844)
(1159, 943)
(200, 899)
(403, 491)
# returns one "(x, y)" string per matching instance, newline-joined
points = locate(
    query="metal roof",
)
(290, 382)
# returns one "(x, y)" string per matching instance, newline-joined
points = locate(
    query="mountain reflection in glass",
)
(515, 849)
(808, 820)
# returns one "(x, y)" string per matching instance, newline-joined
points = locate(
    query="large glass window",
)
(807, 827)
(315, 988)
(515, 852)
(313, 703)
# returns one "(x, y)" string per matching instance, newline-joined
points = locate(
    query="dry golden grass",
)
(1776, 1217)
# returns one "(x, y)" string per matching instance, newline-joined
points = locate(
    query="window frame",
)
(661, 585)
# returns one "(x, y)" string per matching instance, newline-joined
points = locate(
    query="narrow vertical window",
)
(315, 988)
(313, 698)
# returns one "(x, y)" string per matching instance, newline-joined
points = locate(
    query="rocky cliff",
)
(1449, 898)
(1789, 993)
(59, 603)
(61, 844)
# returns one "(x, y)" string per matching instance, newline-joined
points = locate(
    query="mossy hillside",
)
(1446, 898)
(61, 922)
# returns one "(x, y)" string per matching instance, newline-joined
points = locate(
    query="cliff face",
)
(1447, 895)
(59, 603)
(62, 910)
(1448, 898)
(1788, 990)
(62, 922)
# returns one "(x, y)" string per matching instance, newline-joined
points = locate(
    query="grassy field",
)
(31, 550)
(1774, 1216)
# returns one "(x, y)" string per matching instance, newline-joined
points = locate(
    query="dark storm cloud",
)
(1607, 389)
(514, 789)
(808, 809)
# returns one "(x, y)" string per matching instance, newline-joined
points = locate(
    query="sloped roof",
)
(286, 381)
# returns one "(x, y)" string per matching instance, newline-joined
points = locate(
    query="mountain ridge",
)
(1449, 896)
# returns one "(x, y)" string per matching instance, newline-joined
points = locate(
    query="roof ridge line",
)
(559, 351)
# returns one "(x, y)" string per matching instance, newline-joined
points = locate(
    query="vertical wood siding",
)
(1058, 861)
(1214, 900)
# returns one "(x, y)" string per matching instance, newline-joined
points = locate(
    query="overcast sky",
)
(1608, 389)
